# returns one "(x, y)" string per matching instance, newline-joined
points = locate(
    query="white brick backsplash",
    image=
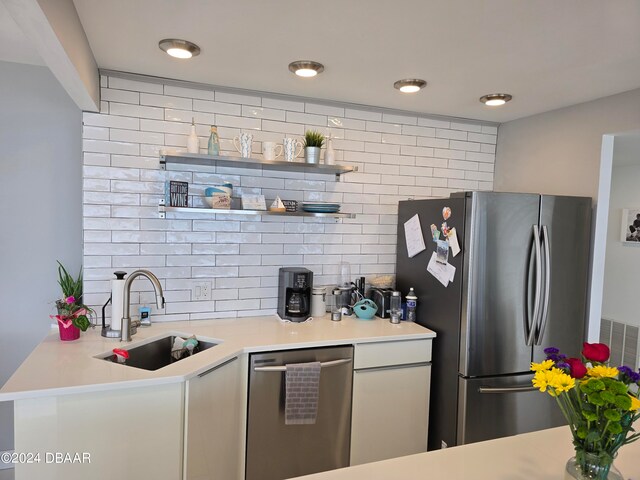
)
(462, 184)
(363, 114)
(98, 159)
(261, 112)
(401, 119)
(97, 236)
(398, 155)
(189, 92)
(135, 136)
(290, 105)
(217, 107)
(463, 165)
(121, 96)
(461, 145)
(134, 85)
(484, 176)
(383, 127)
(433, 122)
(486, 148)
(166, 101)
(237, 98)
(482, 138)
(480, 157)
(186, 116)
(445, 153)
(467, 127)
(433, 142)
(324, 109)
(138, 111)
(103, 146)
(306, 118)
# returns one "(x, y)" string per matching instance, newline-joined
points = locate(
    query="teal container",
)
(213, 147)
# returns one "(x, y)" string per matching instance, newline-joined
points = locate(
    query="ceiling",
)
(547, 54)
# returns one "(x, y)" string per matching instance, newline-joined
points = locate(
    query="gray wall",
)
(40, 208)
(558, 152)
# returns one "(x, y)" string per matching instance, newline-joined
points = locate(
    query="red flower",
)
(578, 370)
(597, 352)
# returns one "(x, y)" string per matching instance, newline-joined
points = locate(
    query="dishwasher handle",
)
(283, 368)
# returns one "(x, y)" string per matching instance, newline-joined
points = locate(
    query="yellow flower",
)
(538, 367)
(553, 381)
(540, 380)
(560, 381)
(602, 371)
(635, 403)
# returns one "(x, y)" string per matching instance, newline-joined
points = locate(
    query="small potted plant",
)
(313, 142)
(72, 313)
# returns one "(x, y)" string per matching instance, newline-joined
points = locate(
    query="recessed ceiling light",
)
(306, 68)
(495, 99)
(410, 85)
(179, 48)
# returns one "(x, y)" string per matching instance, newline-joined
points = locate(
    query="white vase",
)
(329, 153)
(193, 143)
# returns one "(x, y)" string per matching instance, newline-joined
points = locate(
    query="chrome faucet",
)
(129, 327)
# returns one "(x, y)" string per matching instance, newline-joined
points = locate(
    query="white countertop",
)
(59, 368)
(531, 456)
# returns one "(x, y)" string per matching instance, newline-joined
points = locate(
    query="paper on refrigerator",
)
(413, 236)
(444, 273)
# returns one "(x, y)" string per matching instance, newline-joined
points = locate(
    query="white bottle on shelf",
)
(329, 153)
(193, 143)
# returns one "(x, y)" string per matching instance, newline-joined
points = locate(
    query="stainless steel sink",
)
(155, 354)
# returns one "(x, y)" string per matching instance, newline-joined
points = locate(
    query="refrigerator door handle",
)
(536, 303)
(544, 316)
(506, 389)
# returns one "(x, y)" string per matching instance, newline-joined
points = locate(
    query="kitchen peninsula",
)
(188, 418)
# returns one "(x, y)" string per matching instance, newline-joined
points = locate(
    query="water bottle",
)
(395, 307)
(412, 303)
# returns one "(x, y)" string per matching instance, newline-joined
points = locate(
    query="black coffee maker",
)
(294, 293)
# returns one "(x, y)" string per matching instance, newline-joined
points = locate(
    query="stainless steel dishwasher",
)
(276, 451)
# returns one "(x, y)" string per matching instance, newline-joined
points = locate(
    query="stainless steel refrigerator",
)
(520, 285)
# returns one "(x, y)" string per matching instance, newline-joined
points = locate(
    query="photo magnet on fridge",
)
(442, 251)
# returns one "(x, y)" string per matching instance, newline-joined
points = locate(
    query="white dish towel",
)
(302, 393)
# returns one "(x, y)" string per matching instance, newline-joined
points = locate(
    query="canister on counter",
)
(318, 303)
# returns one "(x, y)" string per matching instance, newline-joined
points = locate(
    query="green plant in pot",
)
(73, 315)
(313, 141)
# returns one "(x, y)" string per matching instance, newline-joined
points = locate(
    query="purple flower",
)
(563, 365)
(629, 376)
(70, 300)
(551, 350)
(556, 357)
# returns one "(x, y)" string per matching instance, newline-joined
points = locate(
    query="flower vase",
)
(312, 155)
(68, 331)
(591, 466)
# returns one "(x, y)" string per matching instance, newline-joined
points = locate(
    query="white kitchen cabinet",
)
(141, 439)
(215, 423)
(390, 410)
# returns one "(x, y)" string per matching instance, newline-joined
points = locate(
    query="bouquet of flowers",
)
(71, 310)
(600, 403)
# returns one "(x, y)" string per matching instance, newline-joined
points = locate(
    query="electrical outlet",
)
(201, 291)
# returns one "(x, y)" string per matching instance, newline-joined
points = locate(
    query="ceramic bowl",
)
(365, 309)
(225, 188)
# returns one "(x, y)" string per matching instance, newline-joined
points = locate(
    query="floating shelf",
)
(162, 210)
(215, 160)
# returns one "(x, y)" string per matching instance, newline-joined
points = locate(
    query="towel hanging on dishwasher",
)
(302, 393)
